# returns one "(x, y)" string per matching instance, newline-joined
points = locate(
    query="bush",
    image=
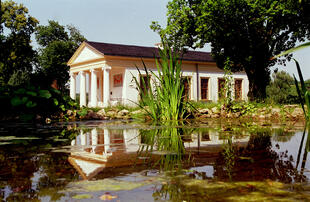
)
(281, 89)
(29, 101)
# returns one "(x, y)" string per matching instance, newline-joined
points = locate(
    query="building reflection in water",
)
(96, 149)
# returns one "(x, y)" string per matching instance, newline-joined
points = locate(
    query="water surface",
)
(126, 161)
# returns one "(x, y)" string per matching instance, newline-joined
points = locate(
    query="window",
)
(144, 83)
(204, 88)
(238, 89)
(187, 87)
(205, 136)
(221, 90)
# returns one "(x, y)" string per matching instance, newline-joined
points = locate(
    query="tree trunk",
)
(259, 78)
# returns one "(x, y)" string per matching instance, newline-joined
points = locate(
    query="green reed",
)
(164, 97)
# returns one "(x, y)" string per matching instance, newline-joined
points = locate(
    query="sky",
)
(123, 22)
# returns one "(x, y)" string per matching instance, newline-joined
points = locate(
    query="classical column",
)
(82, 89)
(83, 138)
(100, 88)
(106, 85)
(94, 139)
(72, 85)
(106, 140)
(93, 91)
(89, 89)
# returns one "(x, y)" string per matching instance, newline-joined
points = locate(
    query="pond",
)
(128, 161)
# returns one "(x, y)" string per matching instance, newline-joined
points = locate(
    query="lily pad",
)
(105, 185)
(82, 196)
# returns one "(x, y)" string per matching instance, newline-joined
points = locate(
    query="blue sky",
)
(122, 22)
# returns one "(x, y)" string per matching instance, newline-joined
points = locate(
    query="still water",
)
(127, 161)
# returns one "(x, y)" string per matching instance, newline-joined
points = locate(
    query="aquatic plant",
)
(164, 98)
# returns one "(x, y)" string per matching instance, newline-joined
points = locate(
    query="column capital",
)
(106, 66)
(73, 74)
(93, 70)
(82, 72)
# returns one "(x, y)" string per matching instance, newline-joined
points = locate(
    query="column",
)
(94, 139)
(82, 89)
(83, 138)
(89, 89)
(106, 85)
(100, 89)
(106, 141)
(72, 85)
(93, 91)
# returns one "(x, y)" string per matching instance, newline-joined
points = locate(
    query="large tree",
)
(57, 45)
(246, 32)
(16, 53)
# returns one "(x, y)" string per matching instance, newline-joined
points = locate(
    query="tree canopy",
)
(248, 33)
(16, 55)
(57, 45)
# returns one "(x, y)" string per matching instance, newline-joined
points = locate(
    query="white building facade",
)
(106, 71)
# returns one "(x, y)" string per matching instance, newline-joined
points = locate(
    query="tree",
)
(247, 32)
(282, 88)
(57, 45)
(17, 55)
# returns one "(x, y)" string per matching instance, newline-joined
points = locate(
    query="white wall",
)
(189, 70)
(117, 91)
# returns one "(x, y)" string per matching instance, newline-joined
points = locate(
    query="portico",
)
(98, 87)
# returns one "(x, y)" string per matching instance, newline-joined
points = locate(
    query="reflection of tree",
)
(281, 135)
(259, 162)
(27, 175)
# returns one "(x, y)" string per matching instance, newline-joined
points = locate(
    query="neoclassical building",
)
(106, 71)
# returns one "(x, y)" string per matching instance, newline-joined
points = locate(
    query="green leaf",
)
(24, 100)
(45, 94)
(31, 93)
(55, 101)
(62, 107)
(31, 104)
(16, 101)
(20, 91)
(302, 46)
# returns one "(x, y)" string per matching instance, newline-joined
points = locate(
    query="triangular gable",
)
(84, 53)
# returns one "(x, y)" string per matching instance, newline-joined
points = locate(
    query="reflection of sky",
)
(292, 147)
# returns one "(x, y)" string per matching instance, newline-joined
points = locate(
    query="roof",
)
(144, 52)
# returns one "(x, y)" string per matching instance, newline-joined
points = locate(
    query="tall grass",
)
(164, 97)
(303, 93)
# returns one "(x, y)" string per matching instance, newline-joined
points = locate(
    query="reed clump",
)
(161, 93)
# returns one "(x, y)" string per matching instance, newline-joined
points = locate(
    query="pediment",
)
(85, 53)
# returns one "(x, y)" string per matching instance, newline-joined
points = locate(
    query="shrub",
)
(281, 89)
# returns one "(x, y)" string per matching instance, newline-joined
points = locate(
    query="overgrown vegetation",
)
(30, 102)
(162, 95)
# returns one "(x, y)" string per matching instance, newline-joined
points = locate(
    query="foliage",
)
(30, 100)
(165, 99)
(282, 89)
(246, 31)
(57, 45)
(227, 95)
(17, 54)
